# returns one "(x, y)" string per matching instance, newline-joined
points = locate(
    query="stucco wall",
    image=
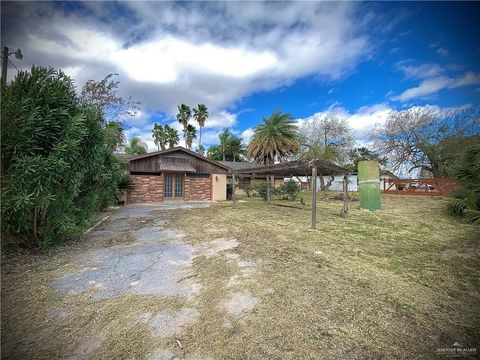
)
(219, 184)
(146, 188)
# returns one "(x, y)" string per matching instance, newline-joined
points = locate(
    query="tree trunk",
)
(322, 183)
(200, 138)
(329, 182)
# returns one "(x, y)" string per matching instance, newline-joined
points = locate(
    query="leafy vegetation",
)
(200, 113)
(58, 167)
(231, 148)
(466, 201)
(136, 146)
(275, 139)
(160, 136)
(427, 138)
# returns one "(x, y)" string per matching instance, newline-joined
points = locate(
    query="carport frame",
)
(314, 168)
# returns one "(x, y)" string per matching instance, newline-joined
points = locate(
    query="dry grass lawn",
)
(397, 283)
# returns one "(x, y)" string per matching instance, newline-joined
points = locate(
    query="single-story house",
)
(243, 176)
(176, 174)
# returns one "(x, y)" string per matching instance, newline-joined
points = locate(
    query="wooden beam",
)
(268, 188)
(345, 196)
(314, 197)
(233, 188)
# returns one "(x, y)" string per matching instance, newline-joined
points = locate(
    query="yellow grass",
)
(397, 283)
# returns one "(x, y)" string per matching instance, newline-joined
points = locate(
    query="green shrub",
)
(247, 188)
(56, 168)
(290, 189)
(466, 200)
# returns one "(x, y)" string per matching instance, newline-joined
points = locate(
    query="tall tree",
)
(224, 137)
(183, 117)
(114, 135)
(424, 137)
(230, 148)
(363, 153)
(160, 136)
(136, 147)
(103, 95)
(326, 137)
(172, 136)
(190, 134)
(200, 114)
(275, 139)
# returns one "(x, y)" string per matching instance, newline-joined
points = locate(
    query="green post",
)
(369, 185)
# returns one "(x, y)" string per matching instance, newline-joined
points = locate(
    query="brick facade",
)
(198, 188)
(146, 189)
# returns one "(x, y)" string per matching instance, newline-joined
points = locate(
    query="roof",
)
(298, 168)
(179, 167)
(175, 149)
(239, 165)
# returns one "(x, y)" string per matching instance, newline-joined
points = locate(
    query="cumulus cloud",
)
(361, 121)
(172, 53)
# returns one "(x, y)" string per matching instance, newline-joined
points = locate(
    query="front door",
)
(173, 186)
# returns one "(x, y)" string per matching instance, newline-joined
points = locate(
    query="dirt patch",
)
(239, 302)
(214, 247)
(163, 325)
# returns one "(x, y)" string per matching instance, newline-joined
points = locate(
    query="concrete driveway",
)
(148, 259)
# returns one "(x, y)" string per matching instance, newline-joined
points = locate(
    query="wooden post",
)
(233, 188)
(268, 188)
(314, 197)
(345, 196)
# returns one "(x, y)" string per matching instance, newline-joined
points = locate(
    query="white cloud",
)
(361, 121)
(246, 135)
(172, 53)
(419, 71)
(435, 84)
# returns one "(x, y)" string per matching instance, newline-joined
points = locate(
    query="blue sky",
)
(244, 60)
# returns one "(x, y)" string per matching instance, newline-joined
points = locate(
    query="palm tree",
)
(114, 135)
(172, 136)
(136, 147)
(160, 136)
(275, 139)
(183, 116)
(224, 136)
(190, 134)
(200, 114)
(236, 148)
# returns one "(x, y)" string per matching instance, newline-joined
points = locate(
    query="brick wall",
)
(146, 189)
(198, 188)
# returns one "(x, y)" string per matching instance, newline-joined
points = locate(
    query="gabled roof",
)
(175, 149)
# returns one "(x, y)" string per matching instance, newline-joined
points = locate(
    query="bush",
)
(466, 200)
(290, 188)
(56, 168)
(248, 189)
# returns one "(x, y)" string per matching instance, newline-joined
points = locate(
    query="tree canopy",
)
(58, 166)
(230, 148)
(426, 137)
(275, 139)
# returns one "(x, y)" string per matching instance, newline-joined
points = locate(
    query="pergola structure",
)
(313, 168)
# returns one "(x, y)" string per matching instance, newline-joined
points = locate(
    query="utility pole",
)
(4, 64)
(5, 55)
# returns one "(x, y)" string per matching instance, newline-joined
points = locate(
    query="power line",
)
(10, 61)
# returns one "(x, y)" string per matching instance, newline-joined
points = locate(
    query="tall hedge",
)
(56, 168)
(466, 200)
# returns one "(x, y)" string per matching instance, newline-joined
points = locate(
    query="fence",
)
(431, 187)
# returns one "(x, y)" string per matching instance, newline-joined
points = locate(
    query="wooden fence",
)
(431, 187)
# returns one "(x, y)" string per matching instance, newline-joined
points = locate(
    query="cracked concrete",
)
(151, 265)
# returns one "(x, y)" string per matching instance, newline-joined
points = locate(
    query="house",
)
(244, 177)
(176, 174)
